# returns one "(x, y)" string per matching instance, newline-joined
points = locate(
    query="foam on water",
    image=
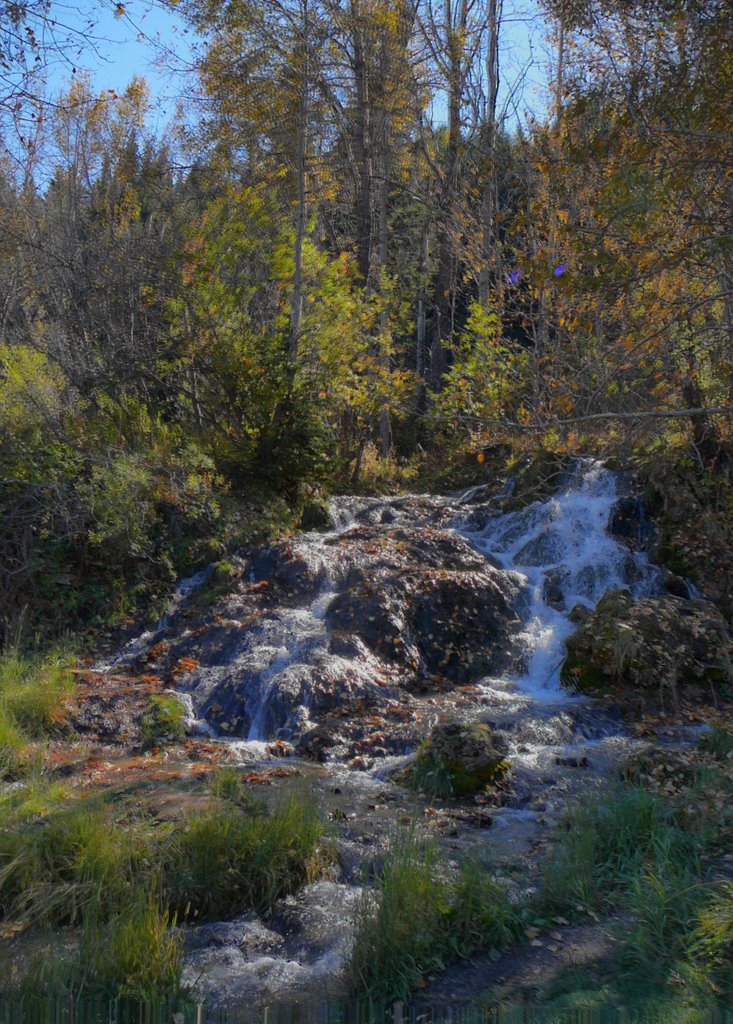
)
(302, 630)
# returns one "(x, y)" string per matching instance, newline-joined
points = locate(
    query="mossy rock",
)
(539, 477)
(164, 720)
(316, 515)
(659, 643)
(459, 759)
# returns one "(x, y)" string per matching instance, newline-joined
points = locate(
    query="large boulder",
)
(458, 759)
(463, 622)
(426, 601)
(656, 644)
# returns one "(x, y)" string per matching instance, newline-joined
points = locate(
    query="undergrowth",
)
(643, 859)
(122, 880)
(421, 914)
(32, 695)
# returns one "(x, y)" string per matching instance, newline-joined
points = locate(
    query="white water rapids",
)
(563, 548)
(560, 548)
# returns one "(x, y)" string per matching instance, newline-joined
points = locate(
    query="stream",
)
(342, 649)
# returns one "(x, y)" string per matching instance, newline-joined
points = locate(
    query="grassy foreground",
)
(110, 883)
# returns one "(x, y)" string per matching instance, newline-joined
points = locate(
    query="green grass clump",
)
(122, 880)
(226, 783)
(230, 859)
(421, 914)
(89, 855)
(136, 955)
(608, 846)
(164, 721)
(711, 952)
(52, 870)
(32, 694)
(639, 856)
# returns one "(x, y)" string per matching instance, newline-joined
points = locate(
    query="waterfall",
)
(563, 547)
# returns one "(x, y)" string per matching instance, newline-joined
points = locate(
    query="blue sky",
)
(146, 40)
(150, 41)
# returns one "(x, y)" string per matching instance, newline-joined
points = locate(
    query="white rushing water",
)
(563, 548)
(560, 545)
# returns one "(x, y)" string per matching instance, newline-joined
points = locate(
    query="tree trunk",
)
(421, 351)
(296, 304)
(488, 197)
(443, 297)
(385, 428)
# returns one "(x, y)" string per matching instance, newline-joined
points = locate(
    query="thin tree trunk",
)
(385, 428)
(488, 198)
(296, 307)
(421, 352)
(362, 148)
(443, 295)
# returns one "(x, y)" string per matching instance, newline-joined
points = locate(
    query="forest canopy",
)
(348, 250)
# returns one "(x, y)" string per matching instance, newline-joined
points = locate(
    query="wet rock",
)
(376, 617)
(573, 762)
(628, 523)
(315, 743)
(459, 759)
(659, 643)
(579, 612)
(541, 550)
(552, 588)
(286, 567)
(676, 585)
(463, 622)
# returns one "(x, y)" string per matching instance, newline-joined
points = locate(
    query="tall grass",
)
(608, 846)
(421, 914)
(711, 952)
(231, 859)
(122, 880)
(32, 694)
(639, 857)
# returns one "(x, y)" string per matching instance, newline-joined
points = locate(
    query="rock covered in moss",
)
(540, 476)
(316, 515)
(659, 643)
(459, 759)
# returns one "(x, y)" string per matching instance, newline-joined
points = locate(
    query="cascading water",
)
(275, 656)
(563, 547)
